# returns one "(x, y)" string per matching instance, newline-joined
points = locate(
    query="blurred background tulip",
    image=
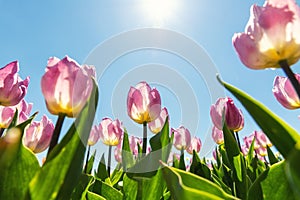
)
(12, 87)
(182, 138)
(285, 93)
(194, 145)
(94, 136)
(37, 135)
(217, 135)
(156, 125)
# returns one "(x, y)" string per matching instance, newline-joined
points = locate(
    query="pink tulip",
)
(285, 93)
(224, 109)
(143, 103)
(38, 135)
(271, 35)
(66, 86)
(182, 138)
(217, 135)
(94, 136)
(133, 143)
(262, 139)
(260, 143)
(110, 131)
(12, 87)
(156, 125)
(194, 145)
(7, 113)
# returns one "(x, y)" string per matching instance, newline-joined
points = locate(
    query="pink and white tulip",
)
(143, 103)
(66, 86)
(194, 145)
(110, 131)
(38, 135)
(182, 138)
(94, 136)
(217, 135)
(271, 35)
(285, 93)
(12, 87)
(157, 125)
(223, 111)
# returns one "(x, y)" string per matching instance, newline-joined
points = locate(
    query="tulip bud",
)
(38, 135)
(224, 109)
(194, 145)
(12, 87)
(271, 35)
(143, 103)
(217, 135)
(110, 131)
(94, 136)
(285, 93)
(156, 125)
(66, 86)
(182, 138)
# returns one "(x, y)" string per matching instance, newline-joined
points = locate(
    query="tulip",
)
(260, 144)
(133, 144)
(94, 136)
(271, 35)
(12, 87)
(143, 103)
(217, 135)
(157, 125)
(225, 109)
(285, 93)
(262, 139)
(194, 145)
(182, 138)
(37, 135)
(110, 131)
(66, 86)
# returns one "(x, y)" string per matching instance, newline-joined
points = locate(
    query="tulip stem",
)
(56, 132)
(238, 139)
(144, 149)
(288, 71)
(87, 159)
(1, 131)
(109, 160)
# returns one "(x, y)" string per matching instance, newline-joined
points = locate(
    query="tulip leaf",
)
(18, 165)
(63, 168)
(199, 168)
(82, 187)
(255, 190)
(282, 135)
(105, 190)
(185, 185)
(292, 170)
(93, 196)
(101, 171)
(276, 185)
(90, 164)
(127, 156)
(14, 121)
(130, 188)
(271, 156)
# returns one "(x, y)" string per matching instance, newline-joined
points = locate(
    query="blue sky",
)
(33, 31)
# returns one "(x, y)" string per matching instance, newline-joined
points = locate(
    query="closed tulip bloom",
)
(285, 93)
(143, 103)
(224, 109)
(37, 135)
(12, 87)
(94, 136)
(182, 138)
(271, 35)
(110, 131)
(66, 86)
(133, 144)
(194, 145)
(262, 139)
(217, 135)
(156, 125)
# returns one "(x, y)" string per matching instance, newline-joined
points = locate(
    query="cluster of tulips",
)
(148, 169)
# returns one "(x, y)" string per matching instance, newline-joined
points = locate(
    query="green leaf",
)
(292, 171)
(271, 156)
(199, 168)
(90, 164)
(82, 187)
(127, 156)
(255, 190)
(102, 172)
(14, 121)
(276, 185)
(18, 165)
(93, 196)
(185, 185)
(282, 135)
(105, 190)
(154, 188)
(130, 188)
(63, 167)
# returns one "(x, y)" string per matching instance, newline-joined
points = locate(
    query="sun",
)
(159, 11)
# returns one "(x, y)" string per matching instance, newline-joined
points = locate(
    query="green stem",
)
(1, 131)
(238, 140)
(109, 160)
(140, 189)
(87, 159)
(287, 70)
(144, 149)
(56, 132)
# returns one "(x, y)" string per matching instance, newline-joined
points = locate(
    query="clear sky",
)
(33, 31)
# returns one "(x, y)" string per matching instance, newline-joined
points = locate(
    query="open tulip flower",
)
(271, 35)
(143, 103)
(194, 145)
(156, 125)
(94, 136)
(110, 131)
(285, 93)
(38, 135)
(12, 87)
(66, 86)
(182, 138)
(217, 135)
(224, 109)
